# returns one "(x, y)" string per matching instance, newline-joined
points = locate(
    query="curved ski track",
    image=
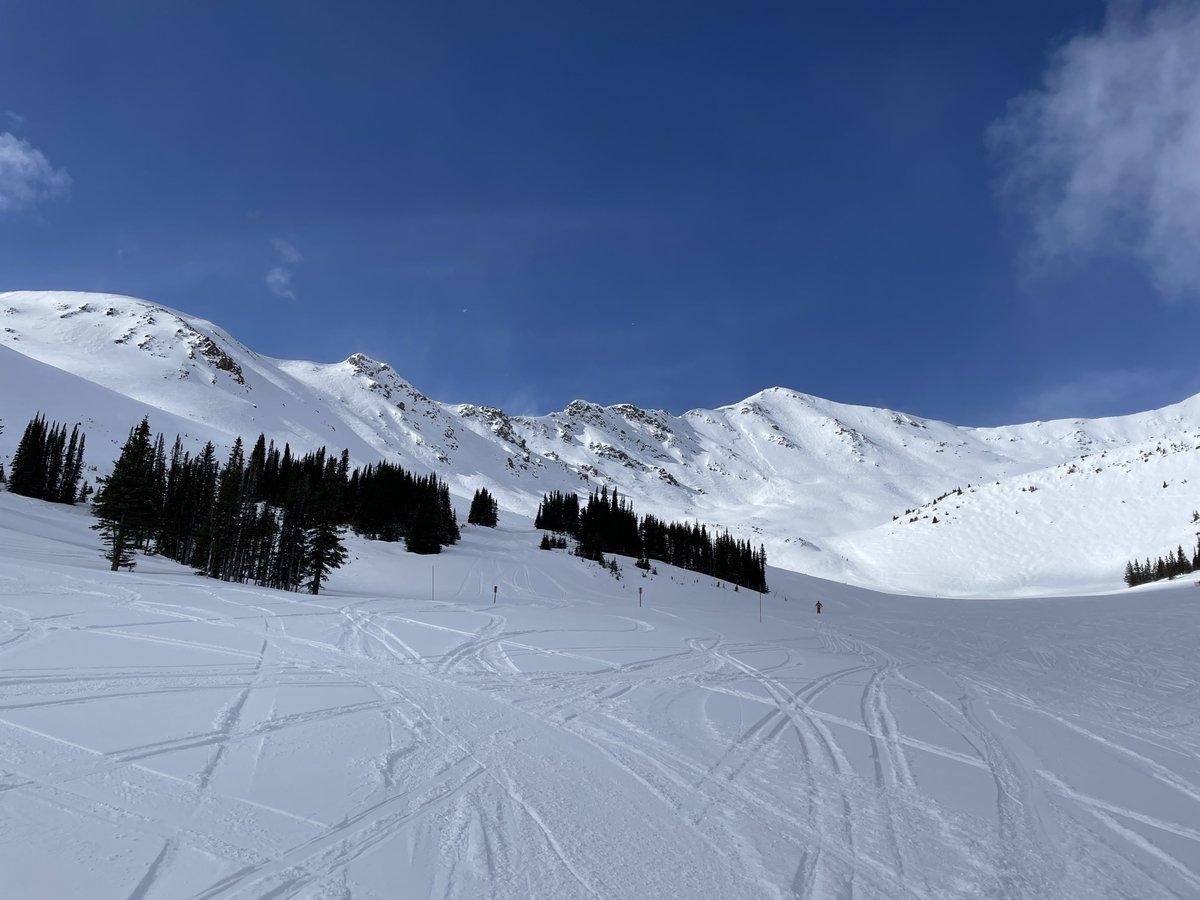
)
(504, 750)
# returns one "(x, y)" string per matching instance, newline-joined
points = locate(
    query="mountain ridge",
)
(816, 481)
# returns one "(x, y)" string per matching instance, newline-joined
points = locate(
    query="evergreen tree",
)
(28, 471)
(52, 463)
(72, 470)
(484, 510)
(265, 531)
(44, 467)
(126, 505)
(448, 532)
(425, 530)
(196, 488)
(323, 547)
(287, 563)
(221, 541)
(558, 512)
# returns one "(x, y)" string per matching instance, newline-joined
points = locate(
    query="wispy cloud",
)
(15, 119)
(1105, 157)
(279, 280)
(288, 251)
(1104, 393)
(279, 277)
(26, 176)
(524, 401)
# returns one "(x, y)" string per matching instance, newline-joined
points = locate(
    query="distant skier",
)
(818, 607)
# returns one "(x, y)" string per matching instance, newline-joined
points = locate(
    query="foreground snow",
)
(167, 736)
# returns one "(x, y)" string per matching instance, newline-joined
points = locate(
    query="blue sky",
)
(922, 206)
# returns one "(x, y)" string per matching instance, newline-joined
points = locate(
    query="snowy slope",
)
(164, 735)
(817, 482)
(1057, 529)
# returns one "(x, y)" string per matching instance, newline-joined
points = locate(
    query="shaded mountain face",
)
(840, 491)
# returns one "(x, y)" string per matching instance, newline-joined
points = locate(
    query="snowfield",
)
(164, 735)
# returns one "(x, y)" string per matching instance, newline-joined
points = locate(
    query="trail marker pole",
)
(494, 589)
(639, 598)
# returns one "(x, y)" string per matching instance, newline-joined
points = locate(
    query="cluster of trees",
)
(47, 465)
(270, 518)
(484, 510)
(692, 547)
(1170, 566)
(387, 503)
(558, 512)
(608, 524)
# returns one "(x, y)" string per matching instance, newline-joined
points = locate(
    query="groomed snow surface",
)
(164, 735)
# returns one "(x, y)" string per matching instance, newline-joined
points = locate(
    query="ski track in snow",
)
(162, 735)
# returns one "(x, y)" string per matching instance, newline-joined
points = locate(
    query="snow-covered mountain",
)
(859, 494)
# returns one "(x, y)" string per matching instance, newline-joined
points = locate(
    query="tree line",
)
(275, 519)
(270, 518)
(1170, 566)
(608, 524)
(47, 465)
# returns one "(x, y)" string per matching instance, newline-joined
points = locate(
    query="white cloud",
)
(16, 118)
(288, 251)
(1105, 157)
(26, 176)
(279, 277)
(279, 280)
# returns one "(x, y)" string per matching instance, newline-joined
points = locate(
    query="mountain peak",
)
(362, 364)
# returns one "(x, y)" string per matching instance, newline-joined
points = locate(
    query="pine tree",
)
(265, 530)
(287, 563)
(72, 471)
(448, 532)
(323, 547)
(197, 488)
(484, 510)
(126, 505)
(558, 512)
(221, 559)
(424, 532)
(28, 471)
(53, 462)
(44, 467)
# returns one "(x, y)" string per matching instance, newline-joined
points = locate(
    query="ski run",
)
(163, 735)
